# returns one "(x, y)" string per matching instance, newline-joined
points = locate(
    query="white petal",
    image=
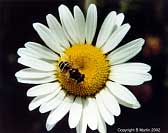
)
(36, 54)
(40, 51)
(131, 67)
(37, 101)
(80, 21)
(37, 81)
(91, 111)
(37, 64)
(44, 89)
(49, 127)
(126, 52)
(106, 115)
(57, 30)
(53, 103)
(115, 38)
(106, 29)
(57, 114)
(110, 102)
(119, 19)
(126, 104)
(69, 25)
(122, 93)
(30, 73)
(78, 129)
(47, 36)
(91, 23)
(25, 53)
(101, 124)
(132, 73)
(129, 74)
(130, 79)
(82, 125)
(75, 112)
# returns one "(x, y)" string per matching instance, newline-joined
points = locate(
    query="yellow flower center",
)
(83, 70)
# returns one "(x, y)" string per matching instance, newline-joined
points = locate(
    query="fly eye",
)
(74, 71)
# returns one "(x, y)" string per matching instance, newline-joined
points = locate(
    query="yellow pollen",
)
(88, 60)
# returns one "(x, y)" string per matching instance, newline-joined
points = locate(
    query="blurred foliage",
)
(126, 5)
(88, 2)
(99, 3)
(153, 46)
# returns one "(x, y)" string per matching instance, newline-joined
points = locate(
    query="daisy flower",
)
(79, 77)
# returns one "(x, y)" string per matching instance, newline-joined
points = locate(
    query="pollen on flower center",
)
(88, 60)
